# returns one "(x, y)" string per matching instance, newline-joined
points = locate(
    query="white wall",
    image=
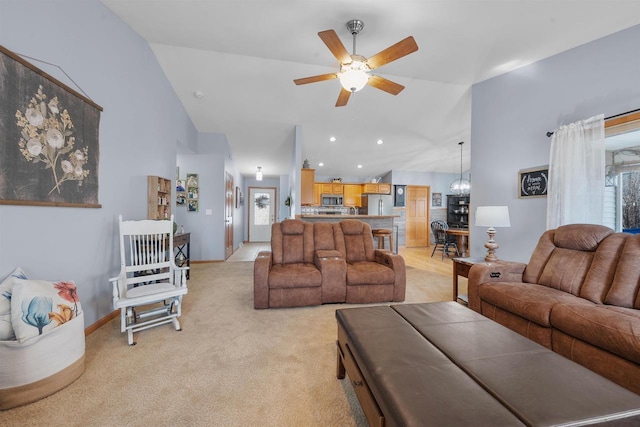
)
(140, 127)
(512, 113)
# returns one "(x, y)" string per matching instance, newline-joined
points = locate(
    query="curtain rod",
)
(551, 132)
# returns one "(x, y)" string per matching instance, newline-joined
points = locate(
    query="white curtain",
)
(576, 174)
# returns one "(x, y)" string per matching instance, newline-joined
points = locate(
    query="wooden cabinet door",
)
(337, 188)
(317, 192)
(369, 188)
(327, 188)
(384, 188)
(352, 195)
(307, 178)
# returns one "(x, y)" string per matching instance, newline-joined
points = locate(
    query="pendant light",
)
(259, 174)
(461, 186)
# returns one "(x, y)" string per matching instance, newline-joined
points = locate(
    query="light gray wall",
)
(140, 127)
(512, 113)
(207, 226)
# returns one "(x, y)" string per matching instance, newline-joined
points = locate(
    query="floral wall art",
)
(49, 151)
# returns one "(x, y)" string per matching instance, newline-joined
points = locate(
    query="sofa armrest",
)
(396, 263)
(261, 269)
(333, 269)
(501, 271)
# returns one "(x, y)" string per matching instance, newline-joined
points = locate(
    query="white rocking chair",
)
(148, 277)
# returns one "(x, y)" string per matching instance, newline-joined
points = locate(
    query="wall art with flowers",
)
(49, 150)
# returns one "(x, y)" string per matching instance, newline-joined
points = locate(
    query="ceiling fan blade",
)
(331, 39)
(343, 98)
(313, 79)
(386, 85)
(398, 50)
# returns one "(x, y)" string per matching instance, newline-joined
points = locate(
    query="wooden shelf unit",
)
(158, 197)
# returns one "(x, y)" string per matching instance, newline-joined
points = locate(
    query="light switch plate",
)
(208, 212)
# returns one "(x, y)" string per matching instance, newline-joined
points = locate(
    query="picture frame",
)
(49, 145)
(436, 200)
(533, 182)
(192, 192)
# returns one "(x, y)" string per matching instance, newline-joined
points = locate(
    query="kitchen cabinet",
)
(331, 188)
(458, 211)
(352, 195)
(307, 178)
(317, 193)
(379, 188)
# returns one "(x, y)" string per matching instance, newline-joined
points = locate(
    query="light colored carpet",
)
(231, 365)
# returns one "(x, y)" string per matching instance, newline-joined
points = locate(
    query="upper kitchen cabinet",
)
(379, 188)
(307, 179)
(331, 188)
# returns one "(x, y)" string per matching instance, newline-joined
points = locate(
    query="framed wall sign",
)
(533, 182)
(49, 148)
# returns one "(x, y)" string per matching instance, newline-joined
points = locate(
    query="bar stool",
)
(380, 234)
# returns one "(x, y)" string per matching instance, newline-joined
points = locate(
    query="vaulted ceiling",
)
(242, 57)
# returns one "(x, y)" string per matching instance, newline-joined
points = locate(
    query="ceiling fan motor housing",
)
(355, 26)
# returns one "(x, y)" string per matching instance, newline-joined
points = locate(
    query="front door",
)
(262, 213)
(417, 215)
(228, 215)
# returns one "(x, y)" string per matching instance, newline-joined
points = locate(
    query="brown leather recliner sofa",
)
(578, 296)
(318, 263)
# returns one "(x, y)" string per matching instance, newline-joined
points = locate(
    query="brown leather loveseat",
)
(318, 263)
(578, 295)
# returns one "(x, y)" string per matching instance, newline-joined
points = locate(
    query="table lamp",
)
(492, 216)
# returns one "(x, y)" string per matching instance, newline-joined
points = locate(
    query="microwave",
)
(331, 200)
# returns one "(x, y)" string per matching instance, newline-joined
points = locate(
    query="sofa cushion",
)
(530, 301)
(369, 273)
(566, 270)
(615, 329)
(581, 237)
(323, 238)
(299, 275)
(292, 226)
(626, 282)
(563, 256)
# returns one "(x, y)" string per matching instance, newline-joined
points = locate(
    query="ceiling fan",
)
(355, 70)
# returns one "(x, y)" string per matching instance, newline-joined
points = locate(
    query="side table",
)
(461, 267)
(182, 244)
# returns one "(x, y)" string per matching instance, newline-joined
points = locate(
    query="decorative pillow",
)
(6, 328)
(38, 306)
(6, 288)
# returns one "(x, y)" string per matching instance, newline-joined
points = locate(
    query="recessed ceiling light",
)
(380, 142)
(320, 164)
(359, 166)
(332, 139)
(198, 94)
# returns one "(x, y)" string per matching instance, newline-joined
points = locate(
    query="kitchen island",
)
(375, 221)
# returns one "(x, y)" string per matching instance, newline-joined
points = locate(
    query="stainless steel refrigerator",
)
(379, 204)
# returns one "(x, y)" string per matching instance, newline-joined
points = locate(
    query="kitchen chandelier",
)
(461, 186)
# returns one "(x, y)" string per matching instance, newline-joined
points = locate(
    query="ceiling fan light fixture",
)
(354, 75)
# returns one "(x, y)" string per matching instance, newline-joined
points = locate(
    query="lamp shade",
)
(493, 216)
(353, 80)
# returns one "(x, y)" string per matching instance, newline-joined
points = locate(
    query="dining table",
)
(462, 236)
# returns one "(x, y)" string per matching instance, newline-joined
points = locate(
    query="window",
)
(621, 209)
